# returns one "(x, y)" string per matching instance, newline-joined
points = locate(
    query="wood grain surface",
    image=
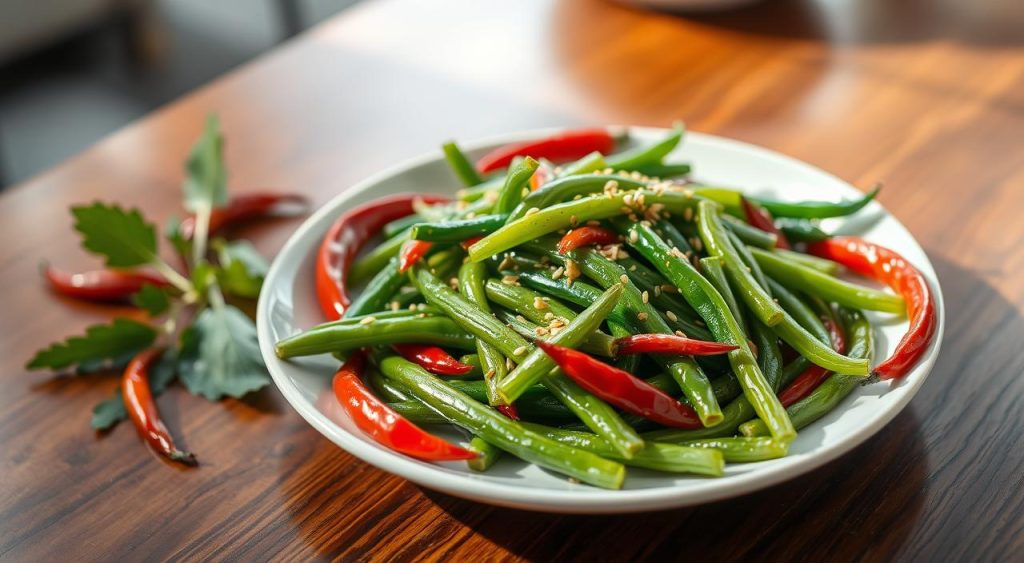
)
(926, 95)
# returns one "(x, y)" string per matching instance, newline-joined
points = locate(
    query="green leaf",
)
(203, 274)
(101, 345)
(152, 299)
(124, 238)
(242, 268)
(111, 411)
(220, 355)
(172, 232)
(205, 184)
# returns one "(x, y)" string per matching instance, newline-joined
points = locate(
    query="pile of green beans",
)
(686, 263)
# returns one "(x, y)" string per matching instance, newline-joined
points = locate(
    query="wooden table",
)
(927, 96)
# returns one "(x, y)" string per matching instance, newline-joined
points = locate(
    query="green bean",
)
(486, 454)
(715, 273)
(707, 301)
(717, 243)
(820, 264)
(480, 191)
(814, 282)
(834, 389)
(461, 165)
(405, 297)
(416, 412)
(733, 414)
(749, 235)
(816, 209)
(590, 163)
(515, 183)
(375, 260)
(535, 402)
(564, 215)
(378, 291)
(663, 170)
(334, 337)
(537, 363)
(747, 259)
(499, 431)
(651, 154)
(471, 284)
(469, 316)
(799, 230)
(643, 317)
(769, 356)
(525, 302)
(673, 236)
(566, 188)
(801, 312)
(400, 225)
(660, 457)
(743, 450)
(457, 231)
(383, 388)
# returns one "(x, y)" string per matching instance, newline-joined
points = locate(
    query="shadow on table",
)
(850, 497)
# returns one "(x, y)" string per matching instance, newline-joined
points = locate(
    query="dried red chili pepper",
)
(412, 251)
(138, 401)
(888, 267)
(101, 285)
(246, 207)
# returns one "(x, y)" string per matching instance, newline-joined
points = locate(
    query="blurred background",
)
(72, 71)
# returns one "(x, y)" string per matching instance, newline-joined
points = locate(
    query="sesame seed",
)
(594, 223)
(671, 316)
(367, 320)
(539, 303)
(507, 263)
(525, 192)
(557, 323)
(548, 316)
(688, 214)
(521, 318)
(646, 297)
(680, 333)
(633, 236)
(422, 315)
(632, 268)
(470, 215)
(395, 305)
(540, 331)
(574, 220)
(509, 364)
(572, 271)
(624, 278)
(641, 316)
(555, 330)
(510, 280)
(557, 273)
(490, 374)
(532, 210)
(519, 351)
(657, 290)
(412, 306)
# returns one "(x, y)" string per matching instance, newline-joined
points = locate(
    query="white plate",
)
(288, 305)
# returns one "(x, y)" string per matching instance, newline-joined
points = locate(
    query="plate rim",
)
(592, 501)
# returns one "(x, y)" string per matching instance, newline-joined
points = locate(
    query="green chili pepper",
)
(651, 154)
(816, 209)
(663, 170)
(799, 230)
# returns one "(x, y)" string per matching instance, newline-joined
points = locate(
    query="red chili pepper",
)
(509, 411)
(384, 425)
(561, 147)
(621, 389)
(101, 285)
(470, 242)
(760, 218)
(813, 376)
(138, 401)
(246, 207)
(669, 344)
(888, 267)
(584, 236)
(432, 359)
(346, 237)
(541, 176)
(412, 251)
